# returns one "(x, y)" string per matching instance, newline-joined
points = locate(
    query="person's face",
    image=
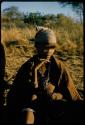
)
(45, 52)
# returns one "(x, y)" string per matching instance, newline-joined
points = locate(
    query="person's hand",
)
(50, 88)
(57, 96)
(34, 97)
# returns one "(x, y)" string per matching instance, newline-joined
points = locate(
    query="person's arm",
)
(20, 92)
(72, 89)
(67, 86)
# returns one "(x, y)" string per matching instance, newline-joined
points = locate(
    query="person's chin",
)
(48, 56)
(45, 56)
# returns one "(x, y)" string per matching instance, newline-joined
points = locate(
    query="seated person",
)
(40, 85)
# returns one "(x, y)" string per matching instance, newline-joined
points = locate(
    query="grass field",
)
(19, 48)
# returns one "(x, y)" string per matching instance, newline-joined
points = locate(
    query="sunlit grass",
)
(19, 48)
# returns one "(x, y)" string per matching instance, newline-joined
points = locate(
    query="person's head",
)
(45, 42)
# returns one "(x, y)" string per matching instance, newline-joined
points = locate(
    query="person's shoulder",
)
(26, 66)
(60, 63)
(29, 62)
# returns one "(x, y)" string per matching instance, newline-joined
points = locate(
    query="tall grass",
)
(19, 48)
(16, 34)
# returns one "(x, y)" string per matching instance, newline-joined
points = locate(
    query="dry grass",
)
(22, 36)
(19, 48)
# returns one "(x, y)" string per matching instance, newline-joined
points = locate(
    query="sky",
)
(42, 7)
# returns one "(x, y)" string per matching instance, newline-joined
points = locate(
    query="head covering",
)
(45, 37)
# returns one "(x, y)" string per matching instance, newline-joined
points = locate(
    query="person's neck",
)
(43, 58)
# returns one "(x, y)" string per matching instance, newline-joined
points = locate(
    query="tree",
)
(33, 18)
(12, 13)
(76, 6)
